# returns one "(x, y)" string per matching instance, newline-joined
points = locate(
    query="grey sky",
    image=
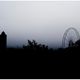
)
(43, 21)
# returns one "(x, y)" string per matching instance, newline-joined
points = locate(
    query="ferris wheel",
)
(70, 36)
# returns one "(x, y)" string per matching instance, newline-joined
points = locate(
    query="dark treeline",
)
(38, 61)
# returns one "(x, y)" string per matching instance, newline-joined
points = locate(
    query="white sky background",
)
(43, 21)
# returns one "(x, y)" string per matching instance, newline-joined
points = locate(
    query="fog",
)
(43, 21)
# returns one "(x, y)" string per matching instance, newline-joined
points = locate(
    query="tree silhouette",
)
(77, 43)
(33, 45)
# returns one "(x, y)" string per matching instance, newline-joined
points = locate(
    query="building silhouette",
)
(3, 40)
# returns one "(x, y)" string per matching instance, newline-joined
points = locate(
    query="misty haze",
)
(39, 39)
(42, 21)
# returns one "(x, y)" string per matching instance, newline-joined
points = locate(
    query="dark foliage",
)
(38, 61)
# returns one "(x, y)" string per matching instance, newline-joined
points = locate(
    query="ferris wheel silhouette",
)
(71, 35)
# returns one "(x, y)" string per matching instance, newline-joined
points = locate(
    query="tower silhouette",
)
(3, 40)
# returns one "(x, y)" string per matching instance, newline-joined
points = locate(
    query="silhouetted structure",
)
(3, 40)
(71, 44)
(66, 38)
